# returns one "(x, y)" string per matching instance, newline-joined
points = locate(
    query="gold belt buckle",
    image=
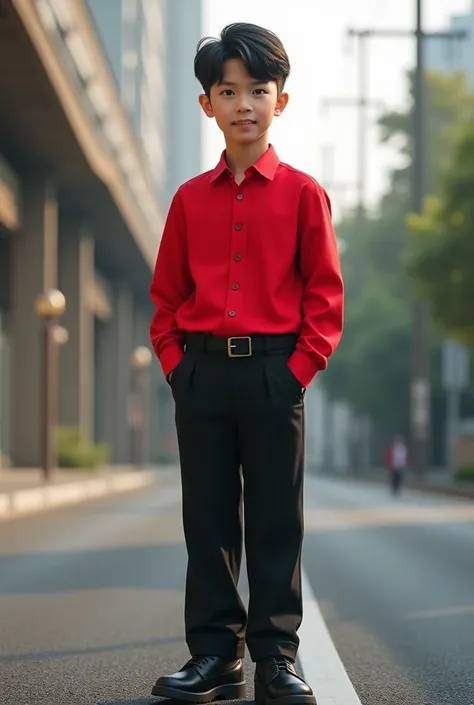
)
(231, 345)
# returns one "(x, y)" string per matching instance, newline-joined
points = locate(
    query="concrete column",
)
(76, 372)
(114, 348)
(34, 269)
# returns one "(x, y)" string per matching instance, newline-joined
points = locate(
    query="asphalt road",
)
(394, 579)
(91, 596)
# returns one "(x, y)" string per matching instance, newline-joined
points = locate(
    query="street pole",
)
(140, 362)
(361, 103)
(420, 378)
(49, 307)
(50, 399)
(420, 384)
(363, 125)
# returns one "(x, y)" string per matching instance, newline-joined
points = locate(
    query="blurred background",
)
(99, 124)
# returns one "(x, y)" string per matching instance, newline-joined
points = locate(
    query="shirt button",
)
(232, 313)
(237, 258)
(239, 196)
(238, 226)
(235, 287)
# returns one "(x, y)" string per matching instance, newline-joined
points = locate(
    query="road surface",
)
(91, 597)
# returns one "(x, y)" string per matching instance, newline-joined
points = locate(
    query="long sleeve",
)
(171, 286)
(323, 297)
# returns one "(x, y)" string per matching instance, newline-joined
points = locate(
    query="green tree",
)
(441, 252)
(371, 368)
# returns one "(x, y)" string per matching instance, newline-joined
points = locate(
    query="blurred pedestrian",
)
(397, 463)
(249, 307)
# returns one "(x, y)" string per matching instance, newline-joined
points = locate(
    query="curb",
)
(455, 491)
(40, 499)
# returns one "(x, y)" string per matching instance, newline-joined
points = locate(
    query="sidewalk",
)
(441, 483)
(435, 482)
(24, 490)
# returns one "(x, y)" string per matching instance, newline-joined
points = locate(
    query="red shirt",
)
(258, 258)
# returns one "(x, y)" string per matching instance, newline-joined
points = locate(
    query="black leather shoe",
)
(203, 679)
(277, 683)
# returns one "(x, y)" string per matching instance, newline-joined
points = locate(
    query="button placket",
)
(238, 244)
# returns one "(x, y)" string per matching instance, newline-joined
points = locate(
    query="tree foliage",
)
(441, 252)
(371, 368)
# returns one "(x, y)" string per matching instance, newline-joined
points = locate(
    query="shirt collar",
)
(266, 165)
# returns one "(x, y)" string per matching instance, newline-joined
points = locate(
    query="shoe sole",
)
(286, 700)
(235, 691)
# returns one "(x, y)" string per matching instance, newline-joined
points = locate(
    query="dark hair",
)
(261, 51)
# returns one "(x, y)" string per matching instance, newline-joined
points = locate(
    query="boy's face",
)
(242, 106)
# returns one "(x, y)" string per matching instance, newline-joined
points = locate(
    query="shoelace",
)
(284, 664)
(198, 661)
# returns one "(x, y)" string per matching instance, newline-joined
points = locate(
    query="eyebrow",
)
(253, 82)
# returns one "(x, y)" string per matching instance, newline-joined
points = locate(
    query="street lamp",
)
(140, 362)
(49, 307)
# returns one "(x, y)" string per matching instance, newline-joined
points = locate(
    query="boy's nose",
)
(243, 107)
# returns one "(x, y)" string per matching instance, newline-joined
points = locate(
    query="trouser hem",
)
(212, 646)
(268, 649)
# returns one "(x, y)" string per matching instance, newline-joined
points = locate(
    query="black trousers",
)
(396, 479)
(240, 426)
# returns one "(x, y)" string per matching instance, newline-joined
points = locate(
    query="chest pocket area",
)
(209, 235)
(276, 229)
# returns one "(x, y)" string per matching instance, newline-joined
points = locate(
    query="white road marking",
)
(456, 611)
(320, 662)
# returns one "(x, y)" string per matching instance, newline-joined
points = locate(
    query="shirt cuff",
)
(170, 358)
(304, 367)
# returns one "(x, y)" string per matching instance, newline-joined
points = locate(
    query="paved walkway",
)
(435, 481)
(15, 479)
(24, 490)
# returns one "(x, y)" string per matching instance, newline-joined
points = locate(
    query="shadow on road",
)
(159, 701)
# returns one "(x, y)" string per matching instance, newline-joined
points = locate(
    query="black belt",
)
(241, 346)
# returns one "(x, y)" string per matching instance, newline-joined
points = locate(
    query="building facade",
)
(150, 45)
(79, 212)
(452, 56)
(183, 115)
(133, 37)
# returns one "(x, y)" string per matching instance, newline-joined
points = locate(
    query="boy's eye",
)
(227, 91)
(260, 91)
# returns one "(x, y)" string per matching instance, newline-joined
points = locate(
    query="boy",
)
(249, 299)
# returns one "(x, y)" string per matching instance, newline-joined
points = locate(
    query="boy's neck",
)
(240, 157)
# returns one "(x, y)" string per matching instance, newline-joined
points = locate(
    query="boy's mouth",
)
(244, 122)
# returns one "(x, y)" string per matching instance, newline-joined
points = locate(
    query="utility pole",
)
(420, 392)
(362, 103)
(420, 416)
(337, 189)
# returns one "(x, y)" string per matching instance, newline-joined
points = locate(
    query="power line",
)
(362, 104)
(420, 414)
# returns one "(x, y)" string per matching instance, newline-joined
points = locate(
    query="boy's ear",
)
(205, 103)
(282, 102)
